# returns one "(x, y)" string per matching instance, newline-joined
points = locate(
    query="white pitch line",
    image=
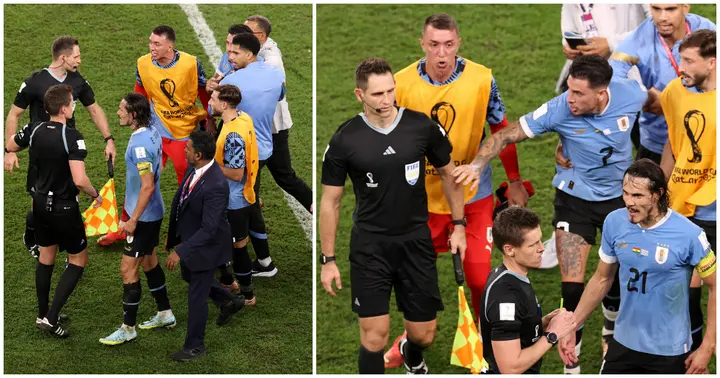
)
(213, 51)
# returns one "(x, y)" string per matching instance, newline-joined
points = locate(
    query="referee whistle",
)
(111, 170)
(457, 264)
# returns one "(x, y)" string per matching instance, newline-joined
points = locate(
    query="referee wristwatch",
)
(326, 259)
(551, 337)
(459, 222)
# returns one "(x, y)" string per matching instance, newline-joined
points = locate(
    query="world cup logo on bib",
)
(167, 86)
(412, 172)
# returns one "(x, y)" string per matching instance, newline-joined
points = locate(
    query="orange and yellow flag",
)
(104, 219)
(467, 349)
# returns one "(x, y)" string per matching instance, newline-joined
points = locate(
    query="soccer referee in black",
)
(383, 150)
(515, 334)
(58, 152)
(62, 70)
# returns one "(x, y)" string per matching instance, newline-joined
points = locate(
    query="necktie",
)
(186, 189)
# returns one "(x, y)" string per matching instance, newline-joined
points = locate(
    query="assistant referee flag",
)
(467, 348)
(104, 219)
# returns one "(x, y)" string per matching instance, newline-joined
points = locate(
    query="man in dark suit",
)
(200, 232)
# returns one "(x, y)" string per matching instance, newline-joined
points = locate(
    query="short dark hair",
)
(370, 66)
(63, 45)
(704, 40)
(56, 97)
(203, 143)
(646, 168)
(247, 41)
(166, 31)
(441, 21)
(511, 225)
(230, 94)
(139, 107)
(593, 68)
(239, 28)
(262, 22)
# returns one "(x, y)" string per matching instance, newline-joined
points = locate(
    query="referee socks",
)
(371, 362)
(43, 278)
(68, 281)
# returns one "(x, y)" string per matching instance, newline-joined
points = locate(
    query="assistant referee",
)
(510, 315)
(58, 152)
(383, 150)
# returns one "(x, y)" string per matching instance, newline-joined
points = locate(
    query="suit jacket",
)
(200, 224)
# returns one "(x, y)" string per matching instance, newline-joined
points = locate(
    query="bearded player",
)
(460, 95)
(171, 80)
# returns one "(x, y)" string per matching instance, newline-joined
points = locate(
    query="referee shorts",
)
(240, 222)
(144, 240)
(63, 226)
(175, 150)
(407, 262)
(582, 217)
(621, 360)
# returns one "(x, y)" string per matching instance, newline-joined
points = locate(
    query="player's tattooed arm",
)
(489, 149)
(573, 252)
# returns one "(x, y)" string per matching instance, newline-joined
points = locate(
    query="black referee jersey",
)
(387, 169)
(509, 310)
(32, 92)
(52, 146)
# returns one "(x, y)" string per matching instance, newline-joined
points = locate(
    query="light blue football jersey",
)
(656, 265)
(598, 145)
(145, 145)
(644, 47)
(234, 157)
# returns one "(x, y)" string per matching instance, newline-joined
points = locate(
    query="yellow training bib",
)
(691, 132)
(173, 92)
(460, 107)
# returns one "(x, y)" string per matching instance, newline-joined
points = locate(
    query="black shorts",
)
(407, 262)
(621, 360)
(643, 152)
(582, 217)
(240, 222)
(710, 228)
(144, 240)
(63, 226)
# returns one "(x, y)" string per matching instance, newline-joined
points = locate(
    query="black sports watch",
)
(326, 259)
(109, 138)
(551, 337)
(459, 222)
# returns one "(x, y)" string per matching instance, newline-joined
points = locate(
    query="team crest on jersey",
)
(412, 172)
(661, 254)
(623, 123)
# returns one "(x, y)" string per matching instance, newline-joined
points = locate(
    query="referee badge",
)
(661, 254)
(412, 172)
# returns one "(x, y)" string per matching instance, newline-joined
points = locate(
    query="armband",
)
(706, 266)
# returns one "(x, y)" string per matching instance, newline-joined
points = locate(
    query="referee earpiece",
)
(377, 110)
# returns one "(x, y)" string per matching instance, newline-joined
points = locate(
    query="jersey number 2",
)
(636, 278)
(609, 151)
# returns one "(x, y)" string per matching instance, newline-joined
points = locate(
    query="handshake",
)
(563, 324)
